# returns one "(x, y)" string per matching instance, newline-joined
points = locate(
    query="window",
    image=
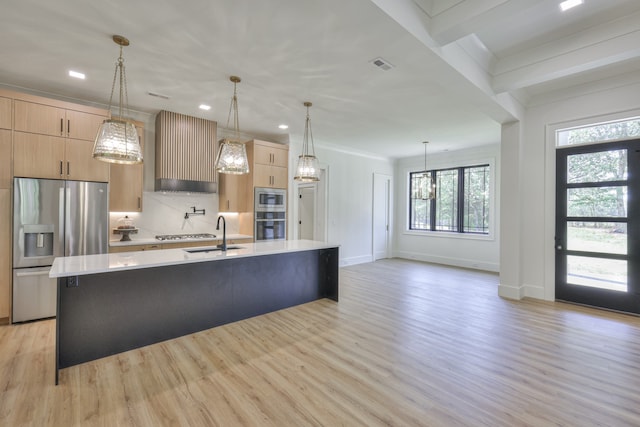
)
(461, 203)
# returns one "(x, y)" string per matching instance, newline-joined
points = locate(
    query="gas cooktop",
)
(185, 236)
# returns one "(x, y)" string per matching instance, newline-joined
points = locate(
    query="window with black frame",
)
(461, 202)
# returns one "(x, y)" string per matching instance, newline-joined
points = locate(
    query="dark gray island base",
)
(107, 313)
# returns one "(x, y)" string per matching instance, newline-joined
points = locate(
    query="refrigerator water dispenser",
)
(38, 240)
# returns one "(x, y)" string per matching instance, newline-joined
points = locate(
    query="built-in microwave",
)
(270, 214)
(274, 199)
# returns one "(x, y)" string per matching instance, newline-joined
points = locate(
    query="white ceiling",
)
(461, 67)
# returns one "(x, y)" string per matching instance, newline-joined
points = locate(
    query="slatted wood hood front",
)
(185, 153)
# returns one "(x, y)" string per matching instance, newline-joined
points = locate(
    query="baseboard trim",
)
(510, 292)
(356, 260)
(455, 262)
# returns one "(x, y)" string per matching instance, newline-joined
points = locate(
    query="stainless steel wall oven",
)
(270, 214)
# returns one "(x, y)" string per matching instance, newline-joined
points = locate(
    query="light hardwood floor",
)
(409, 344)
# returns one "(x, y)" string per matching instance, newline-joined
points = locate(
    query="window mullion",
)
(460, 201)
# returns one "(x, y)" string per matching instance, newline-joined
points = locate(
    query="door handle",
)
(68, 169)
(60, 167)
(558, 244)
(61, 126)
(68, 127)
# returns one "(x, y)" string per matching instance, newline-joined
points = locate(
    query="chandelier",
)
(232, 155)
(427, 184)
(117, 140)
(307, 170)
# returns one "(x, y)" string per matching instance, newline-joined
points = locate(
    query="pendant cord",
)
(123, 96)
(233, 109)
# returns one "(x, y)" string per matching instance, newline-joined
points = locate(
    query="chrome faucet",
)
(223, 245)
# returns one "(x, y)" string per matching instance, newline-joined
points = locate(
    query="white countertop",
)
(105, 263)
(152, 241)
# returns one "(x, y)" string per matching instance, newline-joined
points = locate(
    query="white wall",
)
(350, 199)
(472, 251)
(536, 174)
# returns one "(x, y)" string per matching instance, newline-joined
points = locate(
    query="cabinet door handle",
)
(61, 126)
(60, 167)
(139, 203)
(228, 205)
(68, 169)
(68, 127)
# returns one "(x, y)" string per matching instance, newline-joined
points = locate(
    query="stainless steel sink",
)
(210, 249)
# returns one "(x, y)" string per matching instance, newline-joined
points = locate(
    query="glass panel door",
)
(598, 225)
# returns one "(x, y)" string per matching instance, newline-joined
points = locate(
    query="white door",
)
(306, 212)
(381, 215)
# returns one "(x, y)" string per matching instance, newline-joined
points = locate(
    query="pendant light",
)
(307, 170)
(232, 155)
(427, 181)
(117, 140)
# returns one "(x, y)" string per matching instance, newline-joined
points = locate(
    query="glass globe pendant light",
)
(308, 169)
(117, 140)
(232, 155)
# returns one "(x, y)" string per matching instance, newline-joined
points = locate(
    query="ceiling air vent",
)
(158, 95)
(382, 64)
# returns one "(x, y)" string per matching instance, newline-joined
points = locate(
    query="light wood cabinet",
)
(233, 193)
(50, 120)
(5, 158)
(39, 118)
(268, 167)
(126, 183)
(270, 176)
(5, 254)
(266, 153)
(38, 156)
(5, 113)
(56, 141)
(270, 164)
(43, 156)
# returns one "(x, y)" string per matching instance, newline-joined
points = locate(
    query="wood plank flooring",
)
(409, 344)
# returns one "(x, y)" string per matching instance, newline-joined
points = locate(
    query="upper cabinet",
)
(268, 153)
(126, 183)
(5, 113)
(268, 167)
(56, 141)
(270, 163)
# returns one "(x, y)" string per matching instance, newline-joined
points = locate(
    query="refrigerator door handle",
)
(61, 219)
(32, 273)
(67, 222)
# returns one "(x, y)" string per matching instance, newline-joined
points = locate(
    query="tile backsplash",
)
(164, 213)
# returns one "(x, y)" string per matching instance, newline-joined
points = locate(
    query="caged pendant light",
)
(307, 170)
(117, 140)
(427, 184)
(232, 155)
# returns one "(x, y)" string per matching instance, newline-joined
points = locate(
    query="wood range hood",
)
(185, 153)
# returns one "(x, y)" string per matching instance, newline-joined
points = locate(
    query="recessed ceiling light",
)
(568, 4)
(76, 74)
(283, 126)
(205, 107)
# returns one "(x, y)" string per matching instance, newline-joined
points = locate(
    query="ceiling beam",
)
(608, 44)
(468, 17)
(456, 56)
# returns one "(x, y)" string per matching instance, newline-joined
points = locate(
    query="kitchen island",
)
(116, 302)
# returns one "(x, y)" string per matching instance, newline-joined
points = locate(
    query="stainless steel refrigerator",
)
(52, 218)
